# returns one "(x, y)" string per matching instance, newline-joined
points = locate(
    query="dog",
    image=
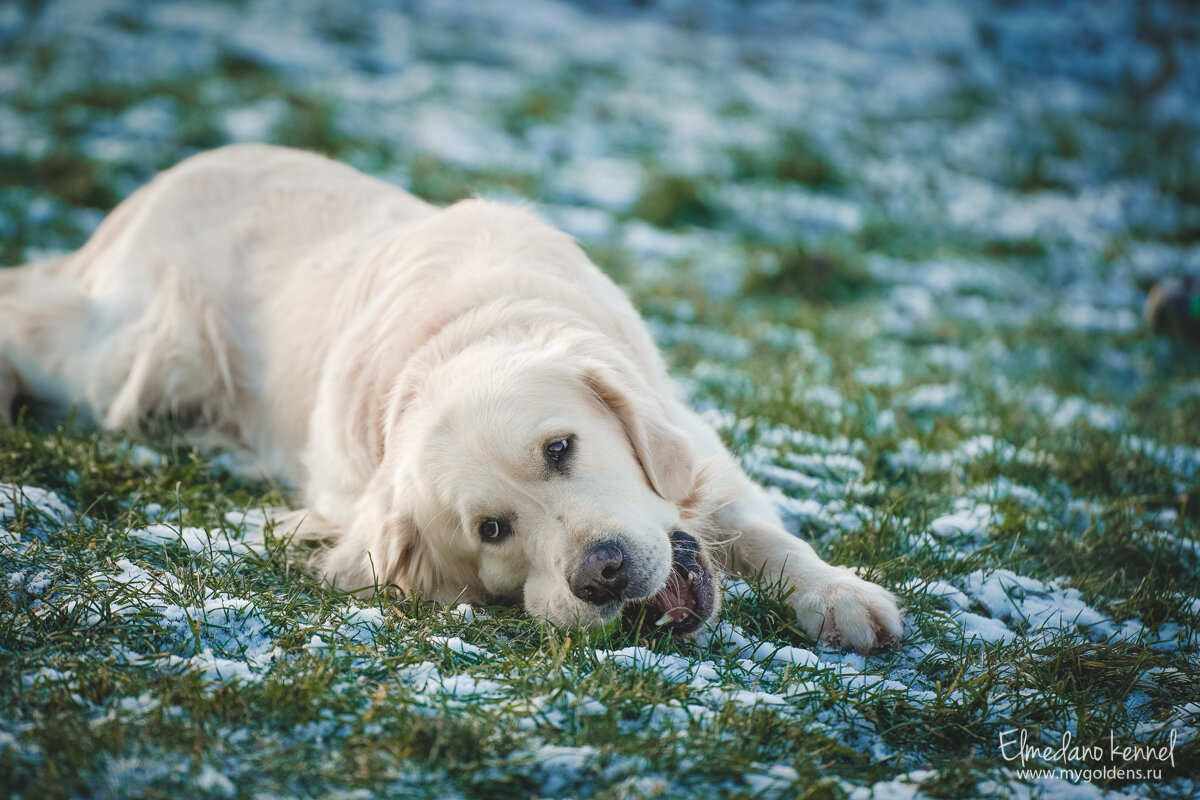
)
(469, 408)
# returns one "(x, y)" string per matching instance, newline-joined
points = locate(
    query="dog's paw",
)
(842, 610)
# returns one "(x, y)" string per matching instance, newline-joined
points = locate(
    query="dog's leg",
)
(832, 604)
(41, 320)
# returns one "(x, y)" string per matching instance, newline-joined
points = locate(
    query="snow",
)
(1105, 418)
(972, 522)
(1029, 602)
(456, 645)
(584, 223)
(211, 780)
(563, 765)
(953, 595)
(825, 515)
(758, 465)
(253, 123)
(879, 375)
(1099, 320)
(606, 183)
(32, 498)
(910, 455)
(670, 667)
(786, 655)
(943, 398)
(774, 781)
(468, 685)
(902, 787)
(1180, 459)
(650, 242)
(978, 627)
(1003, 488)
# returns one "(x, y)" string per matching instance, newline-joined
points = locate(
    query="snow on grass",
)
(1034, 605)
(16, 499)
(942, 399)
(911, 456)
(194, 539)
(972, 521)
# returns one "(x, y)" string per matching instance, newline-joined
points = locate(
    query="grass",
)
(355, 713)
(834, 271)
(908, 387)
(794, 158)
(673, 201)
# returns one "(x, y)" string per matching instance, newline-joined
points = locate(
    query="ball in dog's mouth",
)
(690, 595)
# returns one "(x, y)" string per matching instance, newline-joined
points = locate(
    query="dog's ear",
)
(661, 447)
(372, 553)
(382, 548)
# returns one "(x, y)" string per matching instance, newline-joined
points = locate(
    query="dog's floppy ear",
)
(661, 447)
(384, 547)
(372, 553)
(381, 548)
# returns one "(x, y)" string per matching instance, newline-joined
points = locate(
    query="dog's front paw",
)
(842, 610)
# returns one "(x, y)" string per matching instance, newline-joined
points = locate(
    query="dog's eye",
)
(557, 450)
(494, 530)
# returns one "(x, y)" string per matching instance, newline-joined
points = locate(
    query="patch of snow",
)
(456, 645)
(561, 766)
(943, 398)
(582, 222)
(902, 787)
(1105, 418)
(670, 667)
(973, 522)
(1043, 609)
(608, 183)
(989, 630)
(776, 780)
(32, 498)
(646, 241)
(211, 780)
(1090, 319)
(879, 375)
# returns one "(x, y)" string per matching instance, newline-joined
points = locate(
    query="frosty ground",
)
(895, 252)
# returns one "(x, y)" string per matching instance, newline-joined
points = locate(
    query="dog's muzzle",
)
(690, 595)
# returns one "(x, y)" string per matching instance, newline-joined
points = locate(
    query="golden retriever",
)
(469, 407)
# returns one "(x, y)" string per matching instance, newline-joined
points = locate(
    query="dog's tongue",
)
(675, 600)
(687, 600)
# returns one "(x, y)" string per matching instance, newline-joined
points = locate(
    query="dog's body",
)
(470, 407)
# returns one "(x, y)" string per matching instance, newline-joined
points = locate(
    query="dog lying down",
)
(470, 408)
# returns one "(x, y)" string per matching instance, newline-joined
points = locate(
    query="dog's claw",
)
(665, 619)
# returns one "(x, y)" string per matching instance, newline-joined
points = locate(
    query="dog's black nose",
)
(601, 576)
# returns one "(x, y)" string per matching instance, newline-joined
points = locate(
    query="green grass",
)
(673, 201)
(794, 158)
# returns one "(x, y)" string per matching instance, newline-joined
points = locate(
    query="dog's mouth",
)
(690, 595)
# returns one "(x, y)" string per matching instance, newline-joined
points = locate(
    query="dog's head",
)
(542, 476)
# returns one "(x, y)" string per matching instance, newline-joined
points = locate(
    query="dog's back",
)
(193, 293)
(216, 293)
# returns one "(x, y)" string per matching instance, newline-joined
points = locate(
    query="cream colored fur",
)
(403, 366)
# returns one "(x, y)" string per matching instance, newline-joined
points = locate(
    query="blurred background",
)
(903, 126)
